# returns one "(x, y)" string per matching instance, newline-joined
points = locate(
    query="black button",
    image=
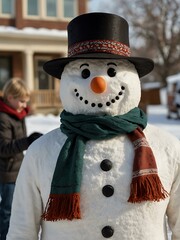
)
(106, 165)
(107, 231)
(108, 190)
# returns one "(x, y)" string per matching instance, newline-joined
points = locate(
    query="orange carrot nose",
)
(98, 85)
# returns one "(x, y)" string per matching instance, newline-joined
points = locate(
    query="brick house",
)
(31, 33)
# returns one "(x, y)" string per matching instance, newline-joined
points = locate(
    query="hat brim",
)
(55, 67)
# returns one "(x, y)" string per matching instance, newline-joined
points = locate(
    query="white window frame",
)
(7, 15)
(42, 11)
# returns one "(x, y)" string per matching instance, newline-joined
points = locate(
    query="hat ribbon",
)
(95, 46)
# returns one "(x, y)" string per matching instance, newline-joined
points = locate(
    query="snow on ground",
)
(157, 115)
(42, 123)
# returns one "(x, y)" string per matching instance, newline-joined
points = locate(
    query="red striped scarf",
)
(146, 184)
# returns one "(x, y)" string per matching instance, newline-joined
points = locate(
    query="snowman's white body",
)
(141, 221)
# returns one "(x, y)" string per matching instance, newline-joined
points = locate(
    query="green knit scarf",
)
(64, 199)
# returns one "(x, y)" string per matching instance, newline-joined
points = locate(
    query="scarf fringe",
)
(62, 206)
(147, 188)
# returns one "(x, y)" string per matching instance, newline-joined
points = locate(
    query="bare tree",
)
(155, 32)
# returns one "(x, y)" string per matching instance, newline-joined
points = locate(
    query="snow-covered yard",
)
(156, 115)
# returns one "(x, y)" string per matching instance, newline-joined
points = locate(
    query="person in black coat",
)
(13, 141)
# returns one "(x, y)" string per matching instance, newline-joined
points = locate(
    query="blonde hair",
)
(15, 87)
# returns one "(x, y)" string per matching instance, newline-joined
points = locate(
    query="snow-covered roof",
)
(30, 31)
(173, 78)
(151, 85)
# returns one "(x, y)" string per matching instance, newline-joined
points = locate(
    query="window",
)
(69, 8)
(5, 70)
(43, 80)
(50, 9)
(7, 8)
(32, 7)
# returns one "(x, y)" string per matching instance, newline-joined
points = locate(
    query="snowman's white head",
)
(100, 86)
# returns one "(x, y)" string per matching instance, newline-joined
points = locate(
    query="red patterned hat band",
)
(95, 46)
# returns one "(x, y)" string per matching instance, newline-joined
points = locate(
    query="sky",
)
(93, 4)
(96, 5)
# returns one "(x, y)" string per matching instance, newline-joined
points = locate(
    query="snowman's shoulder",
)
(159, 131)
(55, 136)
(48, 142)
(162, 138)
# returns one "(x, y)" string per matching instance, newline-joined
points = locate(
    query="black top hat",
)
(98, 36)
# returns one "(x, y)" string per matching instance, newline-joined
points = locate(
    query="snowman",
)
(105, 173)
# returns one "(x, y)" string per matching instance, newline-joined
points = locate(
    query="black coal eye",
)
(111, 72)
(85, 73)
